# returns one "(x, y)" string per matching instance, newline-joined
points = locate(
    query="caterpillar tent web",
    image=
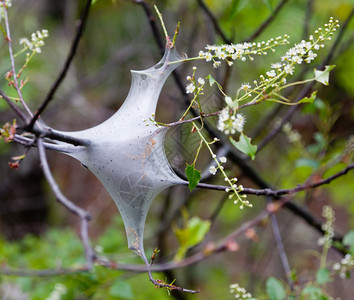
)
(126, 155)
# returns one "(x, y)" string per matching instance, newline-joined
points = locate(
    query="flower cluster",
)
(345, 265)
(233, 52)
(240, 292)
(36, 42)
(275, 78)
(194, 86)
(302, 52)
(213, 169)
(59, 290)
(229, 122)
(326, 240)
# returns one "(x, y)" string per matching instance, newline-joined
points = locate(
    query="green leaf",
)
(322, 276)
(309, 99)
(211, 80)
(323, 76)
(230, 103)
(313, 292)
(192, 234)
(121, 290)
(236, 6)
(348, 240)
(193, 176)
(245, 146)
(275, 289)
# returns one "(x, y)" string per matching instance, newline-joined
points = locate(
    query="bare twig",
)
(14, 73)
(79, 32)
(82, 214)
(14, 107)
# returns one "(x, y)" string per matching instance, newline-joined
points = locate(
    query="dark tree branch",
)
(266, 23)
(279, 241)
(214, 21)
(277, 193)
(79, 32)
(152, 22)
(82, 214)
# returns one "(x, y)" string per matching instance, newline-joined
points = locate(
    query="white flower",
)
(271, 73)
(245, 86)
(239, 122)
(276, 65)
(190, 88)
(36, 41)
(212, 170)
(216, 64)
(201, 81)
(223, 159)
(289, 69)
(311, 55)
(297, 59)
(208, 56)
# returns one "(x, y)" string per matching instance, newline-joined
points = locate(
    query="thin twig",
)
(82, 214)
(14, 107)
(79, 32)
(14, 74)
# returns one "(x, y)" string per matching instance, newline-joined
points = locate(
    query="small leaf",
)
(275, 289)
(313, 292)
(192, 234)
(236, 6)
(309, 99)
(245, 146)
(348, 240)
(211, 80)
(20, 157)
(230, 103)
(323, 76)
(193, 176)
(322, 276)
